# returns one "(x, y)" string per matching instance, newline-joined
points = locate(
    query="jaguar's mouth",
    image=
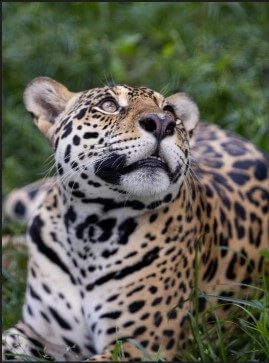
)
(151, 162)
(113, 167)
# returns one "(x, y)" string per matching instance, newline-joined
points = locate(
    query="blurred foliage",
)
(217, 52)
(14, 269)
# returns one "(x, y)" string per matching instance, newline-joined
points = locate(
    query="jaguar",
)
(145, 194)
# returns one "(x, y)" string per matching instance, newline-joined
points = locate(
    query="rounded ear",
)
(185, 109)
(45, 99)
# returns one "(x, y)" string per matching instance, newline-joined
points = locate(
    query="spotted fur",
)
(112, 243)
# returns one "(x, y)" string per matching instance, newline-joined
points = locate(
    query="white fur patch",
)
(145, 182)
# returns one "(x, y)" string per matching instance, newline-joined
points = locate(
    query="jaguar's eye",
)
(109, 105)
(169, 111)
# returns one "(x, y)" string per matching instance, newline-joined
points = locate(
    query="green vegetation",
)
(217, 52)
(14, 275)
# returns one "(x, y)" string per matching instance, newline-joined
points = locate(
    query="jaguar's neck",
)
(100, 219)
(112, 204)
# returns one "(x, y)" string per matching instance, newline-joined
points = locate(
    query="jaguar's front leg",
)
(20, 343)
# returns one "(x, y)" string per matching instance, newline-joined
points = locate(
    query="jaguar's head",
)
(118, 139)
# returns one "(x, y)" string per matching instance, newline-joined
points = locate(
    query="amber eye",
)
(109, 105)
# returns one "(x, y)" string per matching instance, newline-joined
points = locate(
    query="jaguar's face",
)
(130, 140)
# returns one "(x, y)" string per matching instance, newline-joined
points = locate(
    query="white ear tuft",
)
(185, 109)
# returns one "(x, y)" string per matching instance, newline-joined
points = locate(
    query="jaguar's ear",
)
(45, 99)
(185, 109)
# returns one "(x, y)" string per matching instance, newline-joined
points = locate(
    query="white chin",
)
(145, 182)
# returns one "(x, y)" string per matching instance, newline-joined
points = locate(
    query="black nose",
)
(158, 125)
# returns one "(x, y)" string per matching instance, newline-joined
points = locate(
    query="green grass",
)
(14, 279)
(242, 336)
(218, 52)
